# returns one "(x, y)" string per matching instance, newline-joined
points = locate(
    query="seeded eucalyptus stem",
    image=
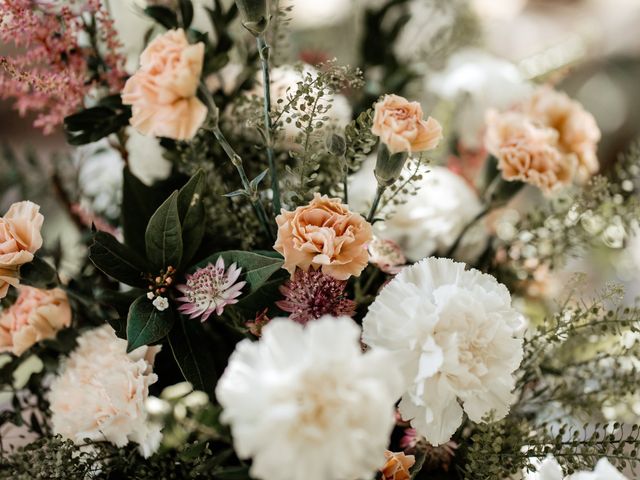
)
(252, 194)
(376, 201)
(263, 50)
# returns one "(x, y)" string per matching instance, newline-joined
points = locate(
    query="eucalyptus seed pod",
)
(254, 15)
(389, 167)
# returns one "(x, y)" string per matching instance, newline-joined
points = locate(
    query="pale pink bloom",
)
(210, 289)
(162, 92)
(20, 237)
(578, 132)
(386, 255)
(400, 126)
(527, 151)
(36, 315)
(311, 295)
(324, 235)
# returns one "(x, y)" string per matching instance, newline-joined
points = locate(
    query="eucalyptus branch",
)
(263, 50)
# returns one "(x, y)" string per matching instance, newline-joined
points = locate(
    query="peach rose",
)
(400, 126)
(324, 235)
(527, 152)
(397, 466)
(162, 92)
(578, 132)
(19, 239)
(36, 315)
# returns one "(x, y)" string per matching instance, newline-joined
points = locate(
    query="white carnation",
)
(305, 402)
(455, 334)
(550, 469)
(101, 392)
(430, 221)
(146, 157)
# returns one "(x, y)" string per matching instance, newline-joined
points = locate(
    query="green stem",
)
(464, 231)
(376, 201)
(263, 50)
(345, 184)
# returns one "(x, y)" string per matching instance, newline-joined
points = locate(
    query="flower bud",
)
(388, 166)
(336, 145)
(254, 15)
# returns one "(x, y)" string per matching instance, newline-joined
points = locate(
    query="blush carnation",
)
(397, 466)
(210, 289)
(162, 92)
(101, 391)
(305, 402)
(310, 295)
(36, 315)
(324, 235)
(456, 336)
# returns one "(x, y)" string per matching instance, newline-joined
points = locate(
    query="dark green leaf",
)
(193, 356)
(186, 13)
(232, 473)
(38, 273)
(192, 215)
(117, 260)
(146, 324)
(163, 15)
(256, 268)
(163, 237)
(94, 123)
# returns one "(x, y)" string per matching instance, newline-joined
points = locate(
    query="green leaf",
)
(92, 124)
(186, 13)
(263, 297)
(256, 268)
(163, 15)
(192, 215)
(117, 260)
(146, 324)
(163, 237)
(192, 354)
(38, 273)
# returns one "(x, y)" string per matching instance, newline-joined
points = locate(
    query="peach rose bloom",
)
(324, 235)
(400, 126)
(527, 152)
(36, 315)
(162, 92)
(20, 238)
(397, 466)
(578, 132)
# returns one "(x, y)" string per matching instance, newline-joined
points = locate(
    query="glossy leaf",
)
(146, 324)
(117, 260)
(163, 237)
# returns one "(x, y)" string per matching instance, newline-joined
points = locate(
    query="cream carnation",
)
(101, 391)
(305, 402)
(455, 334)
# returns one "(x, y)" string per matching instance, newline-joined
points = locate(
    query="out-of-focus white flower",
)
(305, 402)
(146, 159)
(100, 178)
(101, 392)
(550, 470)
(477, 81)
(225, 79)
(310, 14)
(431, 220)
(456, 336)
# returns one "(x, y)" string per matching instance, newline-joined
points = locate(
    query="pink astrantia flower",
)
(310, 295)
(210, 289)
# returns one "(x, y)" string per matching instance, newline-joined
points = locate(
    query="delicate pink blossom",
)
(310, 295)
(387, 255)
(210, 289)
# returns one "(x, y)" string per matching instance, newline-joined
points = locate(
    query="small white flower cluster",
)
(100, 393)
(550, 469)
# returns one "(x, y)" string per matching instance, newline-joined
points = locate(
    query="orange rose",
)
(527, 152)
(19, 239)
(162, 92)
(397, 466)
(578, 132)
(399, 124)
(324, 235)
(36, 315)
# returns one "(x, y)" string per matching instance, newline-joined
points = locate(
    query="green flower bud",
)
(388, 167)
(254, 15)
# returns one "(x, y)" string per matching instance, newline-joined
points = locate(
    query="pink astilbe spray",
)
(49, 74)
(310, 295)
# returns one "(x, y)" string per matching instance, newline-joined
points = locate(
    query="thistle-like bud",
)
(388, 166)
(254, 15)
(336, 145)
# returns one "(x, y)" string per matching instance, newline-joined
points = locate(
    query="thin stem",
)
(263, 50)
(345, 184)
(376, 201)
(464, 231)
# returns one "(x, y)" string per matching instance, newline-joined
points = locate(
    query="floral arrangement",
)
(312, 278)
